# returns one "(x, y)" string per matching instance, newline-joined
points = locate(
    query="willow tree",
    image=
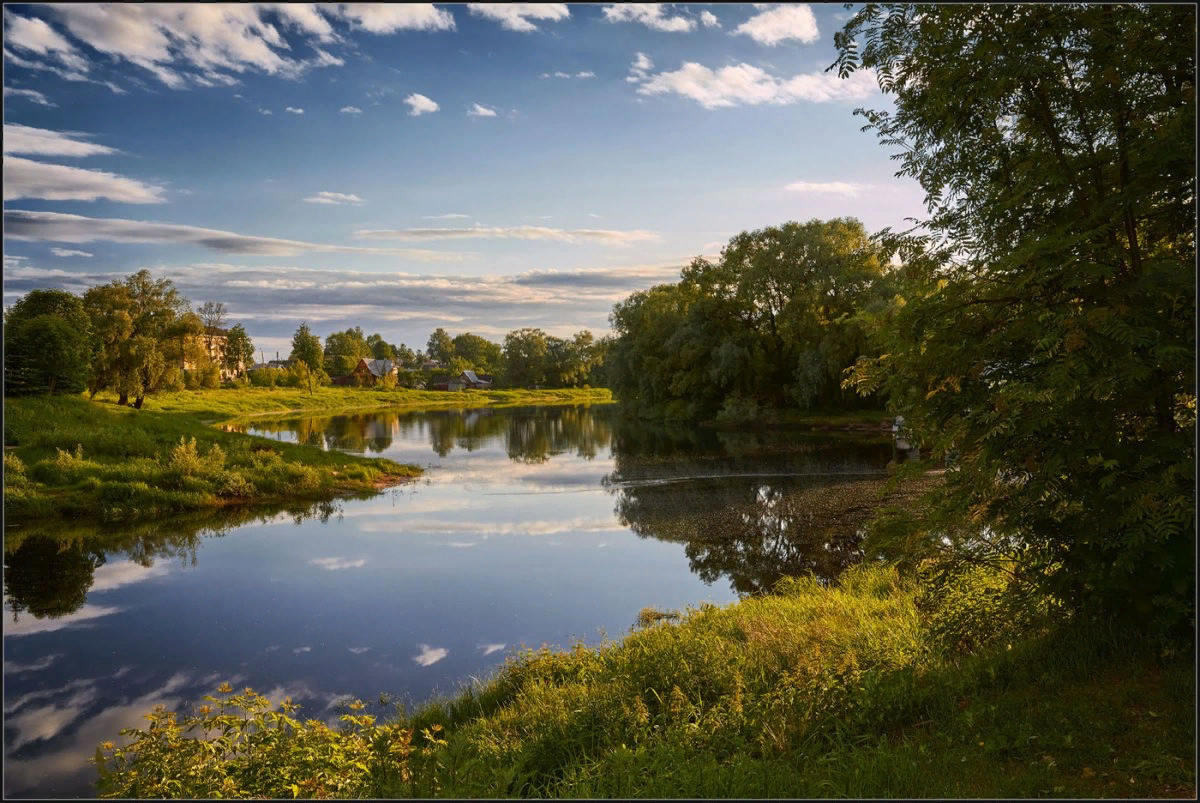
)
(1046, 332)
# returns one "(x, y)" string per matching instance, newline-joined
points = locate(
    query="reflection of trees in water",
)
(48, 569)
(535, 436)
(754, 507)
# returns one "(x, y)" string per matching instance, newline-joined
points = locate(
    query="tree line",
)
(134, 335)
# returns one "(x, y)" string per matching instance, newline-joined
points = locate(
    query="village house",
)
(214, 345)
(368, 372)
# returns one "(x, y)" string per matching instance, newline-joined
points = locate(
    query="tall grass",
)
(810, 692)
(71, 457)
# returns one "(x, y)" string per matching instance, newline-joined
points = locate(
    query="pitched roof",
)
(379, 367)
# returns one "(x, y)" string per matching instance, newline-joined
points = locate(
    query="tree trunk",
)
(137, 405)
(123, 399)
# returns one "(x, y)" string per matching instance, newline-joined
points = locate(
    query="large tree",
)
(480, 354)
(239, 350)
(1046, 337)
(48, 344)
(307, 347)
(343, 350)
(440, 346)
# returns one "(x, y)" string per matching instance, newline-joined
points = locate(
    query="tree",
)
(306, 347)
(440, 347)
(47, 344)
(1047, 332)
(239, 350)
(380, 348)
(343, 350)
(525, 353)
(108, 307)
(480, 354)
(213, 315)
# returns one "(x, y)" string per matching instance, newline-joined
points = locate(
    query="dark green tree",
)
(481, 354)
(1046, 334)
(306, 347)
(343, 350)
(239, 350)
(48, 344)
(440, 346)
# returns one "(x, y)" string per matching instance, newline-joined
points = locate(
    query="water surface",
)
(530, 526)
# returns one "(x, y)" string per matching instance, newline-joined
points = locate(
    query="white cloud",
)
(122, 572)
(592, 214)
(833, 187)
(265, 111)
(358, 650)
(451, 216)
(35, 36)
(32, 94)
(480, 111)
(350, 110)
(299, 650)
(639, 69)
(25, 178)
(333, 564)
(210, 41)
(780, 24)
(516, 16)
(29, 625)
(604, 236)
(385, 18)
(709, 20)
(57, 227)
(68, 252)
(420, 104)
(747, 85)
(294, 110)
(305, 17)
(585, 74)
(652, 15)
(561, 74)
(430, 655)
(488, 649)
(43, 142)
(36, 666)
(335, 198)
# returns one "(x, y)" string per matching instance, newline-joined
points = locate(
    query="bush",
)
(14, 472)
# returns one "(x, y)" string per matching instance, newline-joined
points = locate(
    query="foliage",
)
(47, 344)
(440, 346)
(239, 350)
(771, 325)
(481, 355)
(1043, 333)
(810, 692)
(307, 347)
(343, 350)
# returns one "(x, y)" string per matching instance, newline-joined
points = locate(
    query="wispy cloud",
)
(265, 111)
(294, 110)
(33, 35)
(517, 16)
(430, 655)
(12, 668)
(28, 625)
(791, 22)
(68, 252)
(31, 94)
(830, 187)
(605, 236)
(358, 650)
(32, 141)
(386, 18)
(747, 85)
(335, 198)
(334, 564)
(652, 15)
(25, 178)
(32, 226)
(585, 74)
(419, 104)
(299, 650)
(639, 70)
(350, 110)
(450, 216)
(477, 110)
(488, 649)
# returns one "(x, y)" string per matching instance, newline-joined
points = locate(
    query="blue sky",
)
(479, 167)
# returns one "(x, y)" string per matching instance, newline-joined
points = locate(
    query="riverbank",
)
(70, 457)
(864, 689)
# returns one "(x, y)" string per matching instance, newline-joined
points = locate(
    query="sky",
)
(402, 167)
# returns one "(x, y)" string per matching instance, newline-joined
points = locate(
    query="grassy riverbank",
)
(863, 690)
(66, 456)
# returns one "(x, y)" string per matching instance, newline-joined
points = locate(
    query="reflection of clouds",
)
(430, 655)
(462, 544)
(488, 528)
(29, 625)
(114, 575)
(488, 649)
(299, 650)
(333, 564)
(358, 650)
(273, 648)
(41, 663)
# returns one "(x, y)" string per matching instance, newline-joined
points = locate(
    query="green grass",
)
(78, 458)
(813, 692)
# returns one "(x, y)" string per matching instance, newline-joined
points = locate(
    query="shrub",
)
(14, 472)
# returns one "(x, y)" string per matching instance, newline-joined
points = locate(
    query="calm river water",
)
(531, 526)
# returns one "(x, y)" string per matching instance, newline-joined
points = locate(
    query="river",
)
(531, 526)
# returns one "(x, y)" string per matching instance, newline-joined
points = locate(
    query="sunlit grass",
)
(844, 691)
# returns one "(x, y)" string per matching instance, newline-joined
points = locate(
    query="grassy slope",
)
(810, 693)
(132, 464)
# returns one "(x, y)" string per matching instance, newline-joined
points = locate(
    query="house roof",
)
(379, 367)
(471, 377)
